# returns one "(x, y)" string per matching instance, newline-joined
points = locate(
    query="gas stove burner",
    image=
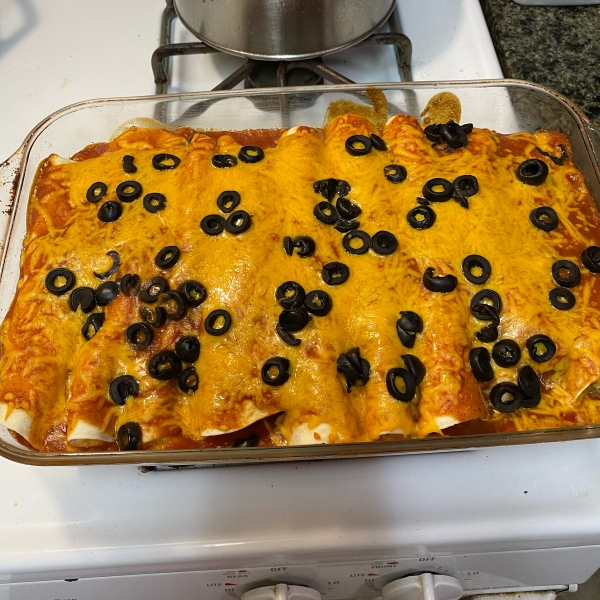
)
(264, 74)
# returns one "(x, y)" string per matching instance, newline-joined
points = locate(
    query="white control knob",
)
(426, 586)
(281, 591)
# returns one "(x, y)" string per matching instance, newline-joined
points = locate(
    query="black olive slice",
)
(485, 312)
(116, 263)
(128, 191)
(228, 201)
(415, 367)
(318, 303)
(139, 335)
(395, 173)
(174, 305)
(129, 436)
(590, 259)
(454, 135)
(434, 133)
(529, 384)
(440, 283)
(481, 365)
(249, 442)
(354, 368)
(410, 321)
(238, 222)
(212, 224)
(360, 246)
(541, 348)
(96, 192)
(106, 292)
(328, 188)
(377, 142)
(193, 292)
(562, 298)
(433, 194)
(326, 213)
(128, 165)
(110, 211)
(506, 397)
(288, 245)
(384, 242)
(123, 387)
(335, 273)
(410, 388)
(286, 336)
(566, 273)
(557, 160)
(164, 162)
(467, 128)
(465, 186)
(532, 171)
(223, 161)
(421, 217)
(347, 209)
(276, 371)
(188, 380)
(506, 353)
(293, 319)
(423, 201)
(343, 188)
(167, 257)
(154, 202)
(164, 365)
(306, 246)
(488, 334)
(156, 317)
(493, 300)
(290, 294)
(92, 325)
(251, 154)
(343, 226)
(188, 348)
(130, 284)
(84, 298)
(476, 269)
(407, 338)
(463, 202)
(213, 318)
(153, 288)
(358, 145)
(59, 281)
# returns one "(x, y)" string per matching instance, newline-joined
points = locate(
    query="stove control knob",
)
(281, 591)
(426, 586)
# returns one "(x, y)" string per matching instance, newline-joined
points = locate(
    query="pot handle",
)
(9, 180)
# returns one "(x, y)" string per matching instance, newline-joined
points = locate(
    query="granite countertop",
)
(555, 46)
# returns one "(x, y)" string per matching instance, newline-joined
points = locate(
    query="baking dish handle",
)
(10, 170)
(594, 133)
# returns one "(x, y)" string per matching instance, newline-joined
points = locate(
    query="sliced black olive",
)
(83, 297)
(123, 387)
(506, 397)
(249, 442)
(251, 154)
(344, 226)
(129, 436)
(96, 192)
(293, 319)
(494, 300)
(488, 334)
(110, 211)
(130, 284)
(326, 213)
(454, 135)
(174, 305)
(59, 281)
(362, 244)
(153, 288)
(434, 195)
(410, 388)
(128, 165)
(328, 188)
(590, 259)
(462, 201)
(164, 365)
(211, 321)
(188, 348)
(212, 224)
(106, 292)
(421, 217)
(506, 353)
(276, 371)
(415, 367)
(439, 283)
(423, 201)
(306, 246)
(156, 317)
(434, 133)
(377, 142)
(238, 222)
(541, 348)
(566, 273)
(223, 161)
(92, 325)
(288, 245)
(532, 171)
(139, 335)
(562, 298)
(228, 201)
(384, 242)
(355, 369)
(318, 303)
(335, 273)
(529, 384)
(347, 209)
(290, 294)
(407, 338)
(155, 202)
(167, 257)
(164, 162)
(476, 269)
(481, 365)
(343, 188)
(465, 186)
(113, 269)
(467, 128)
(395, 173)
(485, 312)
(128, 191)
(286, 336)
(557, 160)
(410, 321)
(188, 380)
(358, 145)
(193, 292)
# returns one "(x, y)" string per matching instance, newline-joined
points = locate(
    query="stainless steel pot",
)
(282, 29)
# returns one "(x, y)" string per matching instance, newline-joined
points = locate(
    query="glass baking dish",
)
(503, 105)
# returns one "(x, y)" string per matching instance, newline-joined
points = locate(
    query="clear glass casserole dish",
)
(502, 105)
